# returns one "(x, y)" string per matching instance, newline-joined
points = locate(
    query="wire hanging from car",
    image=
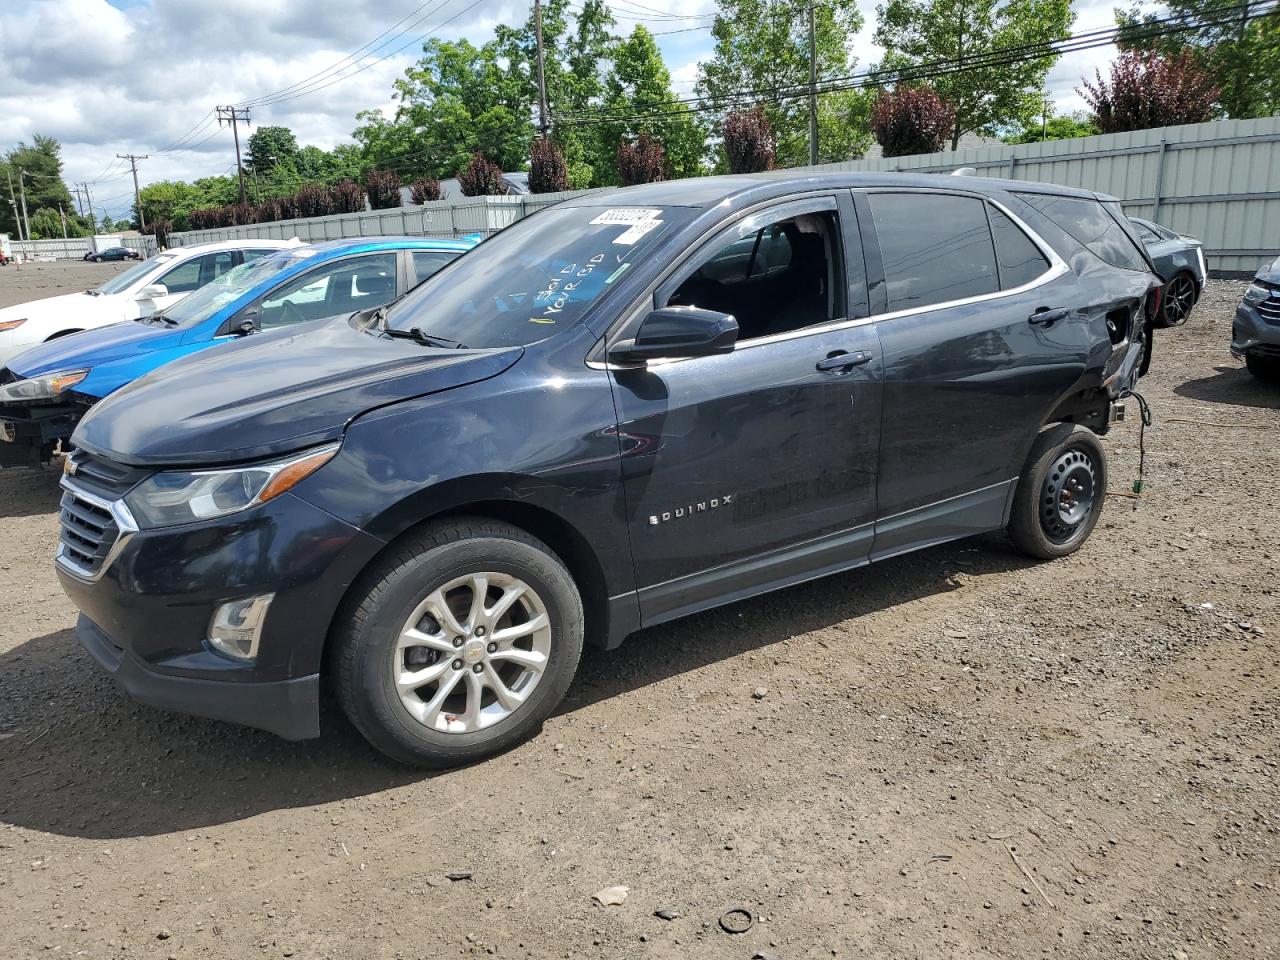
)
(1144, 422)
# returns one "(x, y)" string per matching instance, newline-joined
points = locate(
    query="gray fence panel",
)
(74, 248)
(1218, 181)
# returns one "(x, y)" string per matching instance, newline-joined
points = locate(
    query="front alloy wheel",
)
(458, 643)
(471, 654)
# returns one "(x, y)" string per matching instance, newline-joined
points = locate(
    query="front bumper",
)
(28, 433)
(287, 708)
(1252, 333)
(146, 613)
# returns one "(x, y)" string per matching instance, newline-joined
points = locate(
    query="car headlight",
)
(12, 324)
(1256, 293)
(173, 496)
(44, 387)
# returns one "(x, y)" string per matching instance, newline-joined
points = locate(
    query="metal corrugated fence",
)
(1218, 181)
(74, 248)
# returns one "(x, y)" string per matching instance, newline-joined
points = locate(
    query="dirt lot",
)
(960, 753)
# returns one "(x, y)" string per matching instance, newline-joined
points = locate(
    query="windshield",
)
(123, 281)
(536, 278)
(213, 296)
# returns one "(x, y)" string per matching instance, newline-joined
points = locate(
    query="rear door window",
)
(1092, 226)
(427, 263)
(1020, 260)
(935, 248)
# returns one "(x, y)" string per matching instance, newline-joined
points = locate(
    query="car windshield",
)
(213, 296)
(536, 278)
(123, 281)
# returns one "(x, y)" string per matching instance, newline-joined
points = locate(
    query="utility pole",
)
(75, 190)
(62, 215)
(93, 221)
(542, 82)
(234, 116)
(22, 192)
(14, 203)
(137, 193)
(813, 88)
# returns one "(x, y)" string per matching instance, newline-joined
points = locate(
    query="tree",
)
(548, 172)
(911, 120)
(271, 145)
(41, 166)
(425, 189)
(481, 177)
(1060, 127)
(314, 200)
(762, 46)
(1240, 48)
(639, 85)
(986, 98)
(383, 189)
(1149, 90)
(46, 225)
(749, 145)
(348, 197)
(641, 162)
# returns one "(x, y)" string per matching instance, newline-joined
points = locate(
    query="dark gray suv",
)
(629, 407)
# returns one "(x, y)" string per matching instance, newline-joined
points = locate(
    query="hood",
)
(68, 305)
(271, 394)
(90, 348)
(1270, 272)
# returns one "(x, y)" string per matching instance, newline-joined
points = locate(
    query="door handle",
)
(841, 360)
(1046, 317)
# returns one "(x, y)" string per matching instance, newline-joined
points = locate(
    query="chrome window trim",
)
(126, 527)
(1057, 268)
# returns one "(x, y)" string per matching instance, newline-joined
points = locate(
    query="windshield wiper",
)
(427, 340)
(159, 318)
(94, 292)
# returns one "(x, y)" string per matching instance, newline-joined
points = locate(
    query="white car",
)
(146, 288)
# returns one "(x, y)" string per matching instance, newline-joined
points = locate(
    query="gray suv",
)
(1255, 334)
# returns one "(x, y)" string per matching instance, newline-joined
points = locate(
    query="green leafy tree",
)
(41, 166)
(639, 84)
(1241, 51)
(46, 225)
(1059, 127)
(986, 98)
(271, 145)
(107, 225)
(763, 46)
(171, 200)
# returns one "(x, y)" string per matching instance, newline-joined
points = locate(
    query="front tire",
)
(1264, 368)
(459, 644)
(1060, 493)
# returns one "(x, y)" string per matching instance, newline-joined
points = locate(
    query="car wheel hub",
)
(1068, 495)
(461, 687)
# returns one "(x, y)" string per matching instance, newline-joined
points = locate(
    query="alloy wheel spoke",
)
(509, 597)
(431, 709)
(444, 616)
(479, 587)
(531, 660)
(521, 629)
(412, 679)
(470, 717)
(506, 696)
(413, 637)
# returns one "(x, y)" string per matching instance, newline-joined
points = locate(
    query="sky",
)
(142, 76)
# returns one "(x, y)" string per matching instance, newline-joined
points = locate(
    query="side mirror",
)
(672, 332)
(242, 324)
(153, 291)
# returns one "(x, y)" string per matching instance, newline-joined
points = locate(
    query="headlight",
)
(12, 324)
(1256, 293)
(44, 387)
(173, 497)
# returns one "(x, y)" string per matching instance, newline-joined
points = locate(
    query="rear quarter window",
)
(1092, 226)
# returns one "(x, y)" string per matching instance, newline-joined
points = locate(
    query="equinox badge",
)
(679, 513)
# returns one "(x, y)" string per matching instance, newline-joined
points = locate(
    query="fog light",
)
(236, 626)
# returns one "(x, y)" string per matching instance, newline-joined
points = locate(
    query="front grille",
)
(101, 477)
(1269, 310)
(89, 531)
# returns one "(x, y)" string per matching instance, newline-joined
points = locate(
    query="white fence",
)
(1218, 181)
(74, 248)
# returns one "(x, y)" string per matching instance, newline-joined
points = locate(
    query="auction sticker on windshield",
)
(638, 220)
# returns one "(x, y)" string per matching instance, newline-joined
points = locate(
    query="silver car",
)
(1180, 262)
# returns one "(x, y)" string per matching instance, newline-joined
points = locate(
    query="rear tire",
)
(1060, 492)
(433, 680)
(1264, 368)
(1178, 299)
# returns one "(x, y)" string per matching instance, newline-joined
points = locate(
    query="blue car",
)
(46, 390)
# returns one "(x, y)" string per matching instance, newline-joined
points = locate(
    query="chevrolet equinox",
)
(623, 409)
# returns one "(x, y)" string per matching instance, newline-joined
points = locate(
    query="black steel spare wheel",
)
(1067, 495)
(1060, 492)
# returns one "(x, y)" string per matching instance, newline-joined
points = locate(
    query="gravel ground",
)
(958, 753)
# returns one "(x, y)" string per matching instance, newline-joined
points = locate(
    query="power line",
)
(1000, 57)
